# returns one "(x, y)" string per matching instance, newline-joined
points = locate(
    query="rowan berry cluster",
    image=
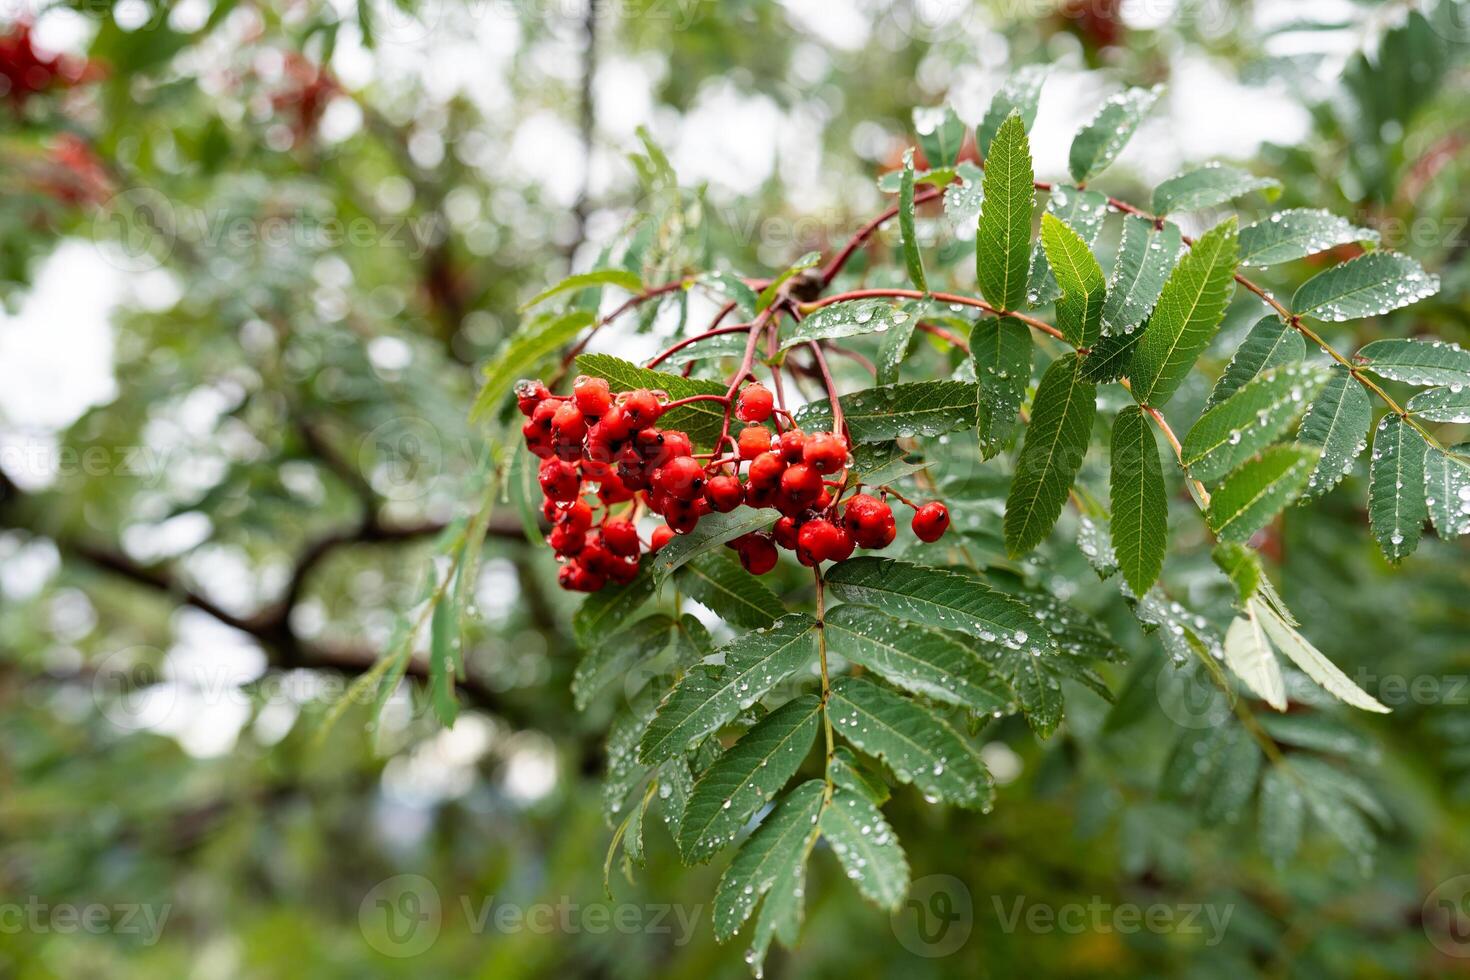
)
(597, 445)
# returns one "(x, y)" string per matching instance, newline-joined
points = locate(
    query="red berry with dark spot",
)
(792, 445)
(724, 493)
(565, 540)
(577, 516)
(931, 521)
(825, 452)
(611, 490)
(817, 541)
(755, 403)
(538, 440)
(569, 421)
(623, 570)
(559, 479)
(801, 485)
(621, 537)
(766, 470)
(683, 515)
(529, 394)
(757, 553)
(752, 441)
(760, 495)
(641, 408)
(870, 521)
(785, 532)
(681, 478)
(592, 395)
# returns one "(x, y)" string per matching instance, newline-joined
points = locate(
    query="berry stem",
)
(712, 332)
(839, 424)
(722, 399)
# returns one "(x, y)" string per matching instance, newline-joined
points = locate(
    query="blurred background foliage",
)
(251, 255)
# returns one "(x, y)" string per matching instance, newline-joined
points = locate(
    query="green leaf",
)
(878, 464)
(1021, 93)
(1248, 654)
(1249, 420)
(712, 531)
(1338, 422)
(1270, 343)
(941, 133)
(780, 915)
(962, 199)
(1001, 351)
(1003, 237)
(1396, 494)
(1186, 317)
(1235, 776)
(701, 420)
(915, 658)
(732, 287)
(1140, 524)
(1281, 816)
(612, 658)
(621, 278)
(443, 642)
(709, 697)
(1449, 404)
(739, 597)
(849, 772)
(906, 223)
(1111, 358)
(1100, 140)
(603, 613)
(1079, 311)
(1417, 362)
(1259, 490)
(1447, 485)
(1369, 285)
(1082, 212)
(867, 847)
(709, 348)
(848, 319)
(938, 597)
(527, 347)
(1052, 453)
(746, 777)
(1146, 256)
(1295, 234)
(901, 411)
(895, 346)
(1312, 662)
(1243, 567)
(918, 747)
(773, 289)
(775, 852)
(1212, 184)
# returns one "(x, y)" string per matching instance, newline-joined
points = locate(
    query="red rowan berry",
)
(755, 403)
(792, 445)
(752, 441)
(757, 553)
(621, 537)
(816, 541)
(559, 479)
(785, 532)
(724, 493)
(593, 396)
(801, 485)
(662, 535)
(766, 470)
(931, 521)
(529, 394)
(641, 408)
(825, 452)
(681, 477)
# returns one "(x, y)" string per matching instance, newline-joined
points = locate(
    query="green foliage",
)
(1056, 441)
(1003, 239)
(1140, 522)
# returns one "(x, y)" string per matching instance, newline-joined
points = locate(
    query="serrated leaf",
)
(1338, 422)
(1020, 93)
(612, 657)
(1447, 490)
(938, 597)
(1000, 349)
(1248, 654)
(624, 771)
(849, 772)
(1249, 420)
(1056, 442)
(1100, 140)
(917, 746)
(867, 847)
(1111, 357)
(1312, 662)
(1243, 567)
(1146, 256)
(1448, 404)
(1140, 521)
(701, 420)
(1079, 310)
(1281, 817)
(1320, 733)
(709, 697)
(1270, 343)
(780, 916)
(1208, 186)
(527, 347)
(848, 319)
(901, 411)
(1417, 362)
(1369, 285)
(1396, 494)
(603, 613)
(737, 596)
(962, 200)
(621, 278)
(878, 464)
(1335, 798)
(1186, 317)
(1260, 490)
(917, 659)
(732, 287)
(1095, 541)
(712, 531)
(1003, 236)
(1234, 778)
(896, 343)
(746, 777)
(907, 225)
(776, 851)
(1295, 234)
(1082, 212)
(941, 133)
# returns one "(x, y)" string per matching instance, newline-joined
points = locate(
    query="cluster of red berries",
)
(592, 443)
(26, 71)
